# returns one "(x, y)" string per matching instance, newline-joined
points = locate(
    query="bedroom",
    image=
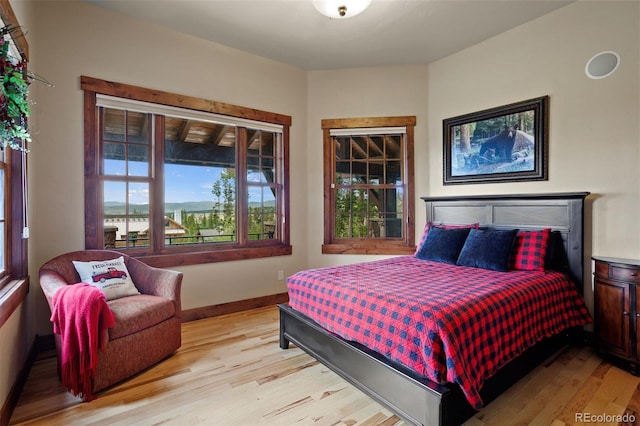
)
(593, 128)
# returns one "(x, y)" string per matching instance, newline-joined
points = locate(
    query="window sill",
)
(11, 296)
(213, 256)
(368, 248)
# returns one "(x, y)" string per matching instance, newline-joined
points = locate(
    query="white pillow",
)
(110, 276)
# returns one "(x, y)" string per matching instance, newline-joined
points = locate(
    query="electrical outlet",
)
(280, 275)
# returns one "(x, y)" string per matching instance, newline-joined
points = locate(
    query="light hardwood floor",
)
(231, 371)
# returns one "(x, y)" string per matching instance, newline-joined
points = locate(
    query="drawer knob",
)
(625, 313)
(634, 274)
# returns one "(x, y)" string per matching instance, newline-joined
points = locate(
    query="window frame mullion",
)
(242, 189)
(156, 184)
(329, 184)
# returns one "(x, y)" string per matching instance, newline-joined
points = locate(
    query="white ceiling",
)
(389, 32)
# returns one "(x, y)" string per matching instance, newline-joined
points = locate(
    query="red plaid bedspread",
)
(451, 324)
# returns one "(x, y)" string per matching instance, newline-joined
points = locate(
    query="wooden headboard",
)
(562, 212)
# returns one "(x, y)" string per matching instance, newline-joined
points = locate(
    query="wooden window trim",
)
(9, 19)
(184, 255)
(368, 246)
(11, 296)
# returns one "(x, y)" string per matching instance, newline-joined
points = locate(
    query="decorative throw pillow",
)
(529, 250)
(556, 257)
(110, 276)
(430, 225)
(443, 245)
(487, 249)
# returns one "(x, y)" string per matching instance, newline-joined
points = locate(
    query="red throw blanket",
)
(80, 315)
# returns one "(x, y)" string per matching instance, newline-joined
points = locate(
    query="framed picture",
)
(503, 144)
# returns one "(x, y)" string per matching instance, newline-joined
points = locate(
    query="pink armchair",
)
(147, 328)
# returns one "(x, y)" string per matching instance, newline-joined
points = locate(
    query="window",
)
(369, 200)
(13, 185)
(14, 284)
(13, 246)
(183, 182)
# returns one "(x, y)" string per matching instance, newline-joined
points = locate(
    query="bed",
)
(435, 346)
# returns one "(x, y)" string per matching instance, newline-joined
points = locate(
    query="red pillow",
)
(431, 224)
(529, 250)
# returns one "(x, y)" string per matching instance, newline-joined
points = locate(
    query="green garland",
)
(14, 105)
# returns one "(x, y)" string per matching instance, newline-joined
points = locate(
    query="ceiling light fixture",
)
(341, 9)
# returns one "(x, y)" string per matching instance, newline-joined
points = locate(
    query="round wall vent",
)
(602, 65)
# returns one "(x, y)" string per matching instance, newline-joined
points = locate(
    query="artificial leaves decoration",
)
(14, 105)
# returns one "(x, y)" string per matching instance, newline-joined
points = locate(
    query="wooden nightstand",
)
(617, 309)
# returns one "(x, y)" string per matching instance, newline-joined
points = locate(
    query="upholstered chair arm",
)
(50, 281)
(157, 282)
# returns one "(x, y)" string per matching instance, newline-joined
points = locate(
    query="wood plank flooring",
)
(231, 371)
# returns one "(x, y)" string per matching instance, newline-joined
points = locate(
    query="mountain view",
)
(116, 208)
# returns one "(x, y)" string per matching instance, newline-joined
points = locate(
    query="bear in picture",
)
(500, 147)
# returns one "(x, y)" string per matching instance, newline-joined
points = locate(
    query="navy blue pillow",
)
(487, 249)
(443, 245)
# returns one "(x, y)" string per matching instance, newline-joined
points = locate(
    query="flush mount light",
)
(341, 9)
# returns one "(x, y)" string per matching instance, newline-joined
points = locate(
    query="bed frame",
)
(412, 397)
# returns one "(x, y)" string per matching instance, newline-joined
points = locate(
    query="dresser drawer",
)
(602, 270)
(625, 274)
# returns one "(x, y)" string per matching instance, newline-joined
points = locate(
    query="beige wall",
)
(74, 39)
(594, 134)
(360, 92)
(16, 341)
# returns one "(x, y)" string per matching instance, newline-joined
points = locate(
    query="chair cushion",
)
(135, 313)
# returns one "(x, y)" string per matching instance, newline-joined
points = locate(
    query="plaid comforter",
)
(451, 324)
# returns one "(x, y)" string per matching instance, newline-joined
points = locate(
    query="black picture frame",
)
(503, 144)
